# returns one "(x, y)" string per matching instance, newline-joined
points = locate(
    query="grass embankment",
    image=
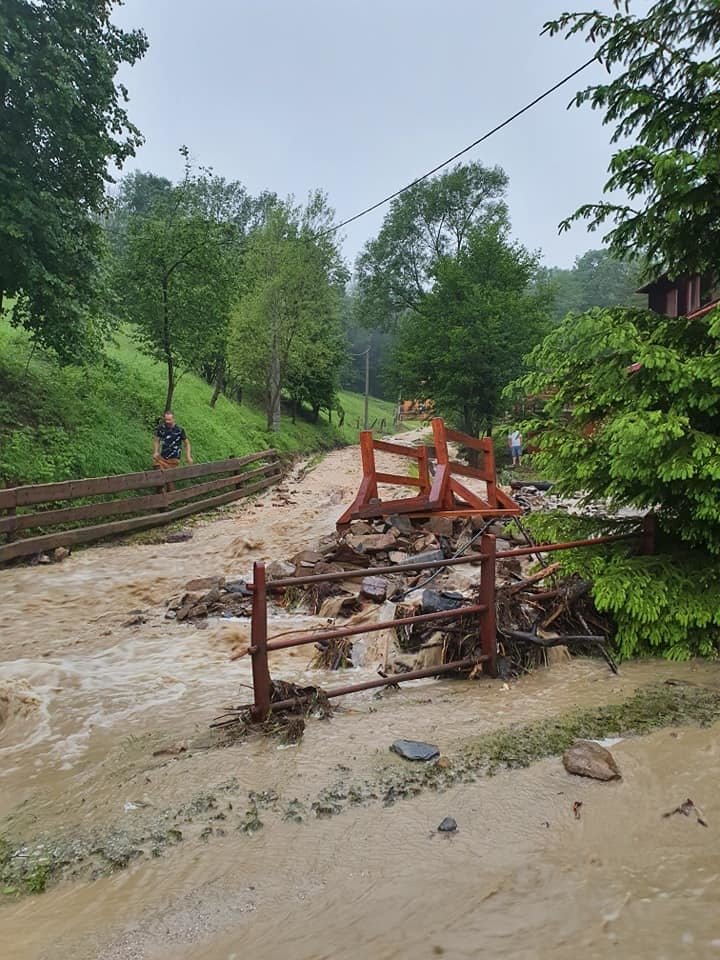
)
(59, 423)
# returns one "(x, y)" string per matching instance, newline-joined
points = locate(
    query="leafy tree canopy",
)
(646, 436)
(663, 98)
(597, 279)
(466, 339)
(430, 221)
(62, 118)
(177, 273)
(286, 331)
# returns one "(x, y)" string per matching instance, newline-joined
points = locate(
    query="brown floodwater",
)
(85, 699)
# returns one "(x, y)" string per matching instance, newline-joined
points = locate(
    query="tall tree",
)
(597, 279)
(663, 99)
(465, 341)
(430, 221)
(62, 118)
(178, 273)
(286, 327)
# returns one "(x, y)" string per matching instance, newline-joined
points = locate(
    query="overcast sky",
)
(359, 97)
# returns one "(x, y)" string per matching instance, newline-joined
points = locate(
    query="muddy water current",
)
(104, 709)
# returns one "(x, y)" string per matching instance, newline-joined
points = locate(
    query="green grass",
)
(60, 423)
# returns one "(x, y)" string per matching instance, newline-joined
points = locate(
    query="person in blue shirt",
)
(169, 440)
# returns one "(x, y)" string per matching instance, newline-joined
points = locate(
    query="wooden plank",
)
(89, 511)
(72, 489)
(219, 466)
(234, 480)
(464, 471)
(97, 486)
(23, 548)
(397, 448)
(473, 443)
(398, 479)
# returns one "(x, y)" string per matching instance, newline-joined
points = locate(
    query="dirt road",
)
(309, 850)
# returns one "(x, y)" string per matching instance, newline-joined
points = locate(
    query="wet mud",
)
(163, 839)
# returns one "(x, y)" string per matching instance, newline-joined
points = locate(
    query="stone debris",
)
(585, 758)
(447, 825)
(415, 750)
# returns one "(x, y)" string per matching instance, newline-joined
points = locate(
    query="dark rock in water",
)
(434, 601)
(201, 584)
(448, 825)
(374, 588)
(415, 750)
(180, 536)
(587, 759)
(238, 586)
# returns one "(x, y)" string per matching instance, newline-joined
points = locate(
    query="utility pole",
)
(367, 384)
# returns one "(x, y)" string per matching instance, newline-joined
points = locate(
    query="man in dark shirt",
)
(168, 440)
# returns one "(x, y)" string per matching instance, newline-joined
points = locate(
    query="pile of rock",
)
(210, 596)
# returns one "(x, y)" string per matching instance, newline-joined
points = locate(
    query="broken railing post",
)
(258, 645)
(488, 624)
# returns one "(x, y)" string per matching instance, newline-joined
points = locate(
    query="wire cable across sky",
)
(465, 150)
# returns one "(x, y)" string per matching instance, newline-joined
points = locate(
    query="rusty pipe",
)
(333, 634)
(385, 681)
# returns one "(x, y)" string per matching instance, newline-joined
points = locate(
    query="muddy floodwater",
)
(265, 849)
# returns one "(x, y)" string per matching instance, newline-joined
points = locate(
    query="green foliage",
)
(465, 340)
(597, 279)
(646, 437)
(286, 331)
(177, 270)
(37, 879)
(664, 605)
(664, 104)
(61, 423)
(62, 118)
(427, 223)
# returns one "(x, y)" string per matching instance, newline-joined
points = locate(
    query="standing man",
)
(169, 438)
(515, 444)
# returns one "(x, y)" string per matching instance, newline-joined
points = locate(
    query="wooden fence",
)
(168, 488)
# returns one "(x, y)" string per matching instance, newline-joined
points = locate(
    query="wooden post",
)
(258, 645)
(489, 470)
(442, 491)
(424, 470)
(488, 624)
(367, 455)
(11, 512)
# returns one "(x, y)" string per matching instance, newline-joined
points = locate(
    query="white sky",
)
(359, 97)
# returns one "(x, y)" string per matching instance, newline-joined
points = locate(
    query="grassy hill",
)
(64, 423)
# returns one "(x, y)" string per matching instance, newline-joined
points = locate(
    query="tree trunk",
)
(219, 380)
(168, 348)
(273, 413)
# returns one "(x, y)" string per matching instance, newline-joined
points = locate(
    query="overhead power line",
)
(460, 153)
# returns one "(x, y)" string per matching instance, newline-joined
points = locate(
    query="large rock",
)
(202, 584)
(433, 601)
(415, 750)
(375, 542)
(374, 588)
(401, 523)
(588, 759)
(280, 570)
(440, 526)
(306, 560)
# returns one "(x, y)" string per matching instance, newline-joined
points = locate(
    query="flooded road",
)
(104, 707)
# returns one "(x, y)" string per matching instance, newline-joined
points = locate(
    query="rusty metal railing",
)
(261, 645)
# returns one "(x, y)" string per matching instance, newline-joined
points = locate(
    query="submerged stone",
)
(588, 759)
(448, 825)
(415, 750)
